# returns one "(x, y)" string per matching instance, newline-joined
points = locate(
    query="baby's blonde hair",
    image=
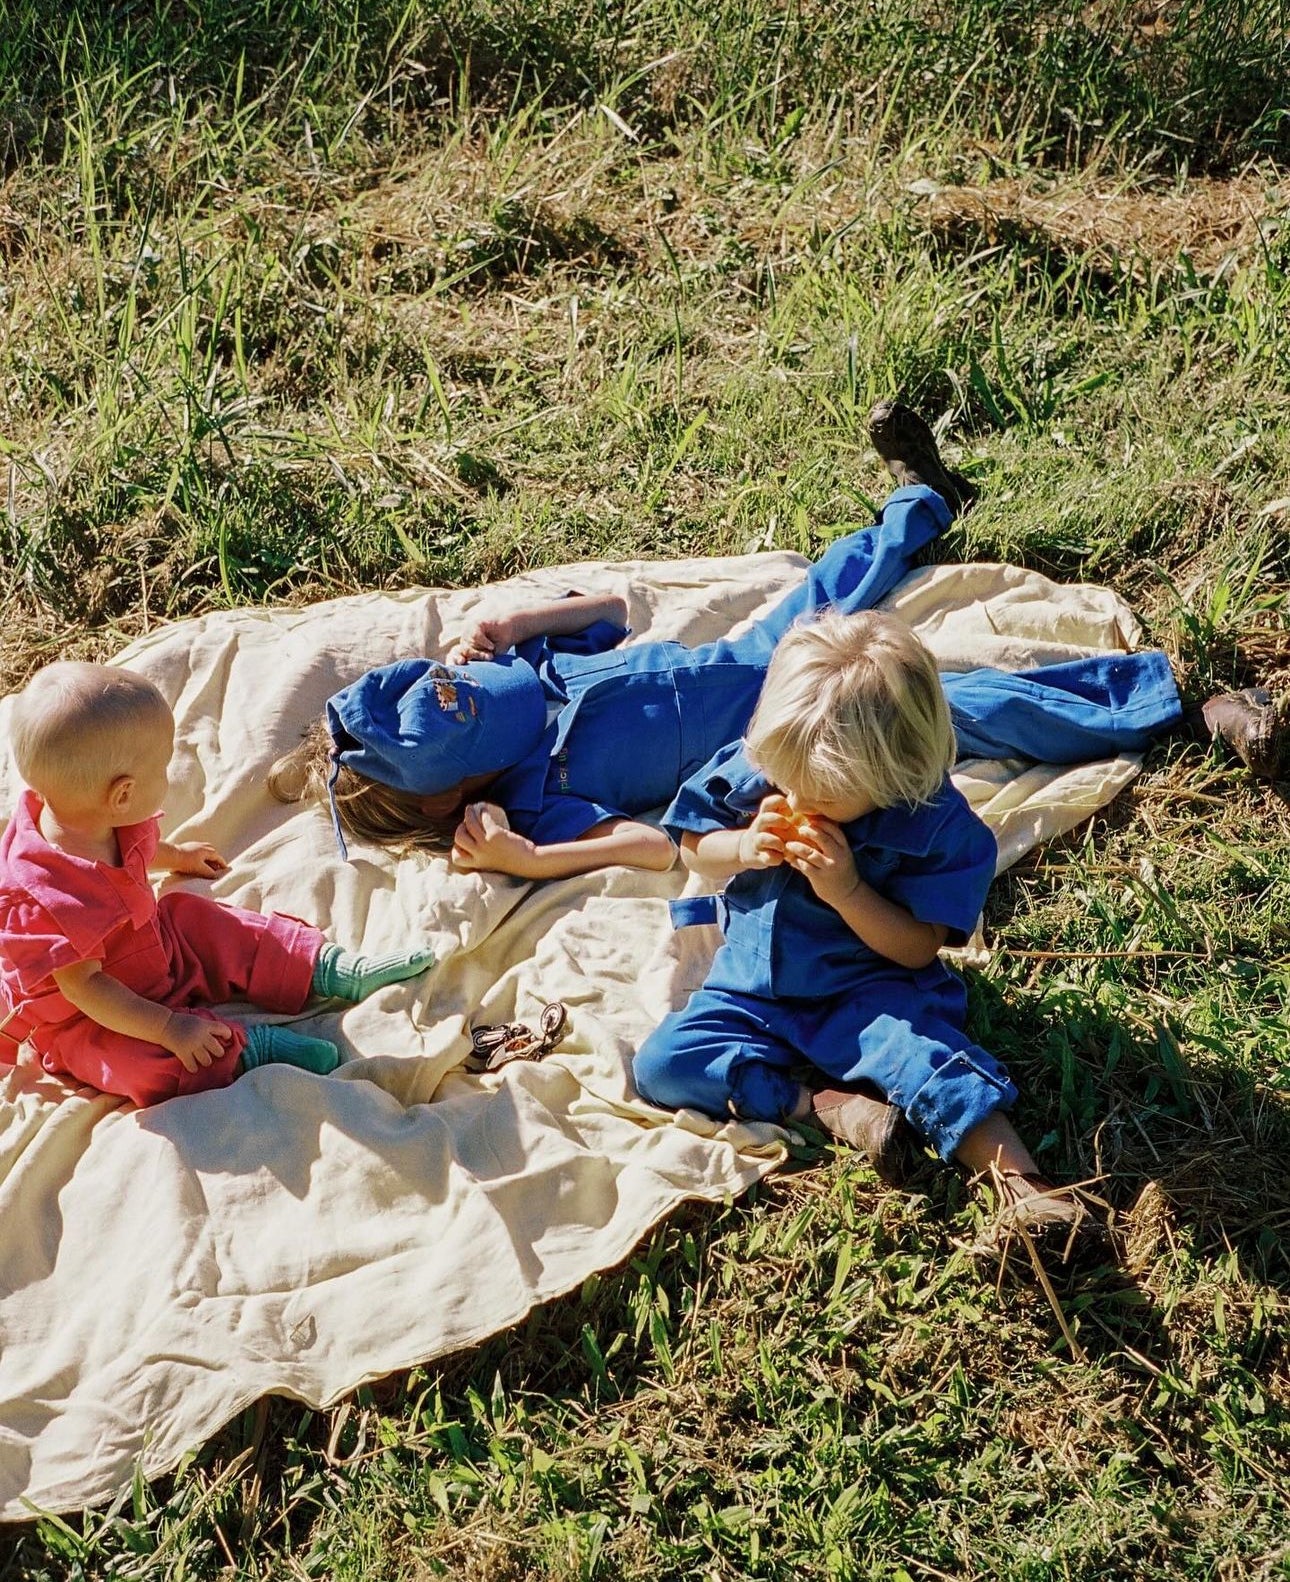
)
(853, 703)
(76, 726)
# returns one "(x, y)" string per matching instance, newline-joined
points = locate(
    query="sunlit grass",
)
(296, 299)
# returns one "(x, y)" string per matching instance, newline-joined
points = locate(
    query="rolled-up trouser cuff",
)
(957, 1097)
(759, 1092)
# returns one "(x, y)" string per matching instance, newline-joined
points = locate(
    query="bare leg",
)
(1054, 1217)
(993, 1145)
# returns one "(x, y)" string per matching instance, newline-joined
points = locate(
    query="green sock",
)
(270, 1045)
(342, 976)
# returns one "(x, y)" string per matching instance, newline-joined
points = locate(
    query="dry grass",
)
(342, 337)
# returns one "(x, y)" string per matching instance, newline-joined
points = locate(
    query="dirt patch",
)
(1216, 224)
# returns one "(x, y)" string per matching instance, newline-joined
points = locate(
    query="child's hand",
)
(485, 640)
(195, 1040)
(761, 845)
(198, 858)
(818, 849)
(485, 839)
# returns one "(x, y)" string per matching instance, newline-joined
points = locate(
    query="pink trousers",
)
(196, 953)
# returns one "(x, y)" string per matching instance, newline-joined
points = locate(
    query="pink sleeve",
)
(34, 945)
(143, 837)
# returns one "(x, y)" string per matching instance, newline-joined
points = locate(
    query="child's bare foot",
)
(878, 1129)
(1059, 1222)
(908, 447)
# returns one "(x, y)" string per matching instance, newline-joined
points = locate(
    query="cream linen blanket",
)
(163, 1268)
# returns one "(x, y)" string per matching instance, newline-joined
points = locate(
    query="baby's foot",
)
(271, 1045)
(342, 976)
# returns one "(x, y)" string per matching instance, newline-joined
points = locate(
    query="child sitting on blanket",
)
(849, 859)
(108, 984)
(536, 747)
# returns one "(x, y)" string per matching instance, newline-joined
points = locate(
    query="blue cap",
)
(424, 727)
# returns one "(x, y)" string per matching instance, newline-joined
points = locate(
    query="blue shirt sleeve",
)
(598, 638)
(562, 818)
(724, 794)
(947, 884)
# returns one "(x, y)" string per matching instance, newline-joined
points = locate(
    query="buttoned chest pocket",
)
(751, 901)
(138, 958)
(875, 867)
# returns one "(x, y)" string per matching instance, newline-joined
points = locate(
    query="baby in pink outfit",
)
(109, 985)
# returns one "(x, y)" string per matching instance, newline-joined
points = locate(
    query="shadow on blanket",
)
(303, 1235)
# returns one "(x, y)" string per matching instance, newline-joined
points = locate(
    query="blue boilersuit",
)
(628, 725)
(793, 984)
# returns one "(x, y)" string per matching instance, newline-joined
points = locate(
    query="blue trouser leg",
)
(719, 683)
(854, 573)
(917, 1053)
(1068, 713)
(719, 1054)
(727, 1053)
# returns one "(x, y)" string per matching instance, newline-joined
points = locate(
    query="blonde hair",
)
(76, 726)
(853, 704)
(367, 809)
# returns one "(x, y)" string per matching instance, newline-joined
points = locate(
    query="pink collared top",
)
(57, 909)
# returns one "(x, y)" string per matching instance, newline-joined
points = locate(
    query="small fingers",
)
(801, 854)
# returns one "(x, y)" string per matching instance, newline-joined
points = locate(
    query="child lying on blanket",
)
(107, 983)
(849, 860)
(534, 749)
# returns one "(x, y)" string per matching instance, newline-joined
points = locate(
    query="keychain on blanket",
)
(496, 1044)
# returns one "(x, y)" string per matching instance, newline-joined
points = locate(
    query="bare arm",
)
(885, 926)
(561, 617)
(483, 841)
(492, 635)
(193, 856)
(193, 1040)
(719, 854)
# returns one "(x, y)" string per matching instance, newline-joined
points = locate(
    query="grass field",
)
(303, 298)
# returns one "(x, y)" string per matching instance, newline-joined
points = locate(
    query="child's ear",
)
(120, 790)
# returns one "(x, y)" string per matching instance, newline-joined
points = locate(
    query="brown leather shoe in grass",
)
(1058, 1223)
(878, 1129)
(1255, 728)
(908, 447)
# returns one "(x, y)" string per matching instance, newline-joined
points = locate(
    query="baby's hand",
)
(484, 839)
(195, 1040)
(818, 849)
(198, 858)
(485, 640)
(761, 845)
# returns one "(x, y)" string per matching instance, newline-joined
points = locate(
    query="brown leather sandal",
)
(1255, 727)
(496, 1044)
